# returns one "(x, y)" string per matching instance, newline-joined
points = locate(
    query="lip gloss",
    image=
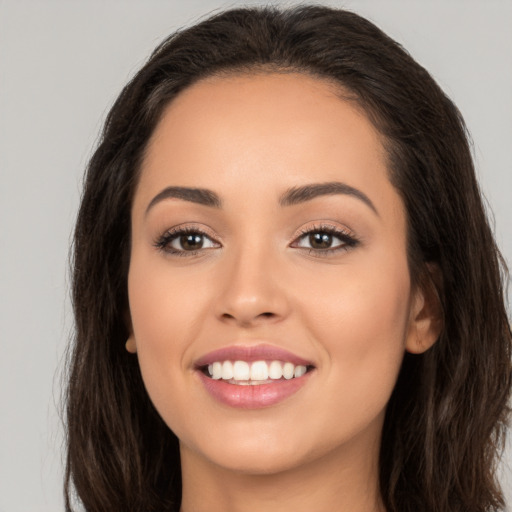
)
(252, 396)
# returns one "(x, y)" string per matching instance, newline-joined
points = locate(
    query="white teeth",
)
(299, 371)
(217, 371)
(227, 370)
(258, 372)
(275, 370)
(288, 370)
(241, 370)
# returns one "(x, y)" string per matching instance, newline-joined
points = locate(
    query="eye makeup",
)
(325, 240)
(319, 240)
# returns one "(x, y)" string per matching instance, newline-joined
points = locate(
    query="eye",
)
(185, 242)
(318, 240)
(191, 242)
(325, 239)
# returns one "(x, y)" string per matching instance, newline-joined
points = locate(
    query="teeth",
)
(288, 370)
(275, 370)
(299, 371)
(227, 370)
(257, 372)
(217, 371)
(241, 370)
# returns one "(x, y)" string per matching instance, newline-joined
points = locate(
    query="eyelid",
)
(162, 241)
(192, 227)
(329, 226)
(344, 234)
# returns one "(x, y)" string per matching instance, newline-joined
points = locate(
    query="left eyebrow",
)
(297, 195)
(194, 195)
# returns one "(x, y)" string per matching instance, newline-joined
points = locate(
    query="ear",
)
(426, 321)
(130, 344)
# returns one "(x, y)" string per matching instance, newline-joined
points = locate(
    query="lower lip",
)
(252, 396)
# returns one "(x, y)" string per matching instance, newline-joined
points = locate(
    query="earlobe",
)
(131, 345)
(426, 322)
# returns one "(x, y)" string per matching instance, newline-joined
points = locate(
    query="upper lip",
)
(251, 353)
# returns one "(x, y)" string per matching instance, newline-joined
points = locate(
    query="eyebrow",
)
(194, 195)
(293, 196)
(297, 195)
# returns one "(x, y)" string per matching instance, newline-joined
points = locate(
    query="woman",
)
(286, 290)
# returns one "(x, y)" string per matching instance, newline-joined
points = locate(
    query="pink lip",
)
(251, 396)
(249, 354)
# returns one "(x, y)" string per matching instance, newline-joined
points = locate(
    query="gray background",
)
(62, 63)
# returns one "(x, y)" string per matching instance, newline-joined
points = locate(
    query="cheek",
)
(164, 316)
(359, 316)
(164, 305)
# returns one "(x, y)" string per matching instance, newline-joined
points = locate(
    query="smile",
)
(252, 377)
(256, 373)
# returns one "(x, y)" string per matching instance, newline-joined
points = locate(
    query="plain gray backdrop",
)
(62, 63)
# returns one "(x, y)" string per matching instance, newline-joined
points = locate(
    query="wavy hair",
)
(445, 422)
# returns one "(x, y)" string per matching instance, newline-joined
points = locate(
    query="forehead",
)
(287, 103)
(269, 130)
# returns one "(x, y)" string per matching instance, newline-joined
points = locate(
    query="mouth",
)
(253, 377)
(246, 373)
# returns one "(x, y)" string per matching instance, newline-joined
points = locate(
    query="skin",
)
(353, 313)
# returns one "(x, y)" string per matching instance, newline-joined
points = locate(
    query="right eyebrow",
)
(194, 195)
(297, 195)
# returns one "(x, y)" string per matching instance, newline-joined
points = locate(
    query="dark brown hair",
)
(446, 419)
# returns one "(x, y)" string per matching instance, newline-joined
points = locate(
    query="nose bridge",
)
(252, 290)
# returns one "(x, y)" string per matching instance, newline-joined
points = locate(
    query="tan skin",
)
(348, 305)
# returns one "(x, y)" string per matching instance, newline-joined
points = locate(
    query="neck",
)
(346, 481)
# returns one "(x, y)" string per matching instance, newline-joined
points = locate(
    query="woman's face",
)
(267, 238)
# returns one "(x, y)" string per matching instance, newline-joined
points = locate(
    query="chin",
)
(260, 462)
(252, 455)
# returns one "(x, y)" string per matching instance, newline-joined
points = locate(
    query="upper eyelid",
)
(191, 228)
(318, 226)
(184, 228)
(324, 226)
(346, 236)
(164, 239)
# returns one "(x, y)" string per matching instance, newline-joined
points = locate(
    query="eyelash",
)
(347, 240)
(164, 241)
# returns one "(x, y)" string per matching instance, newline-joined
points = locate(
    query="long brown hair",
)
(446, 419)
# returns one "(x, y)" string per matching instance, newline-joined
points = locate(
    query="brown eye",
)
(324, 241)
(191, 242)
(185, 242)
(320, 240)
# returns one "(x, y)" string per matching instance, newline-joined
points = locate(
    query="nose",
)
(254, 289)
